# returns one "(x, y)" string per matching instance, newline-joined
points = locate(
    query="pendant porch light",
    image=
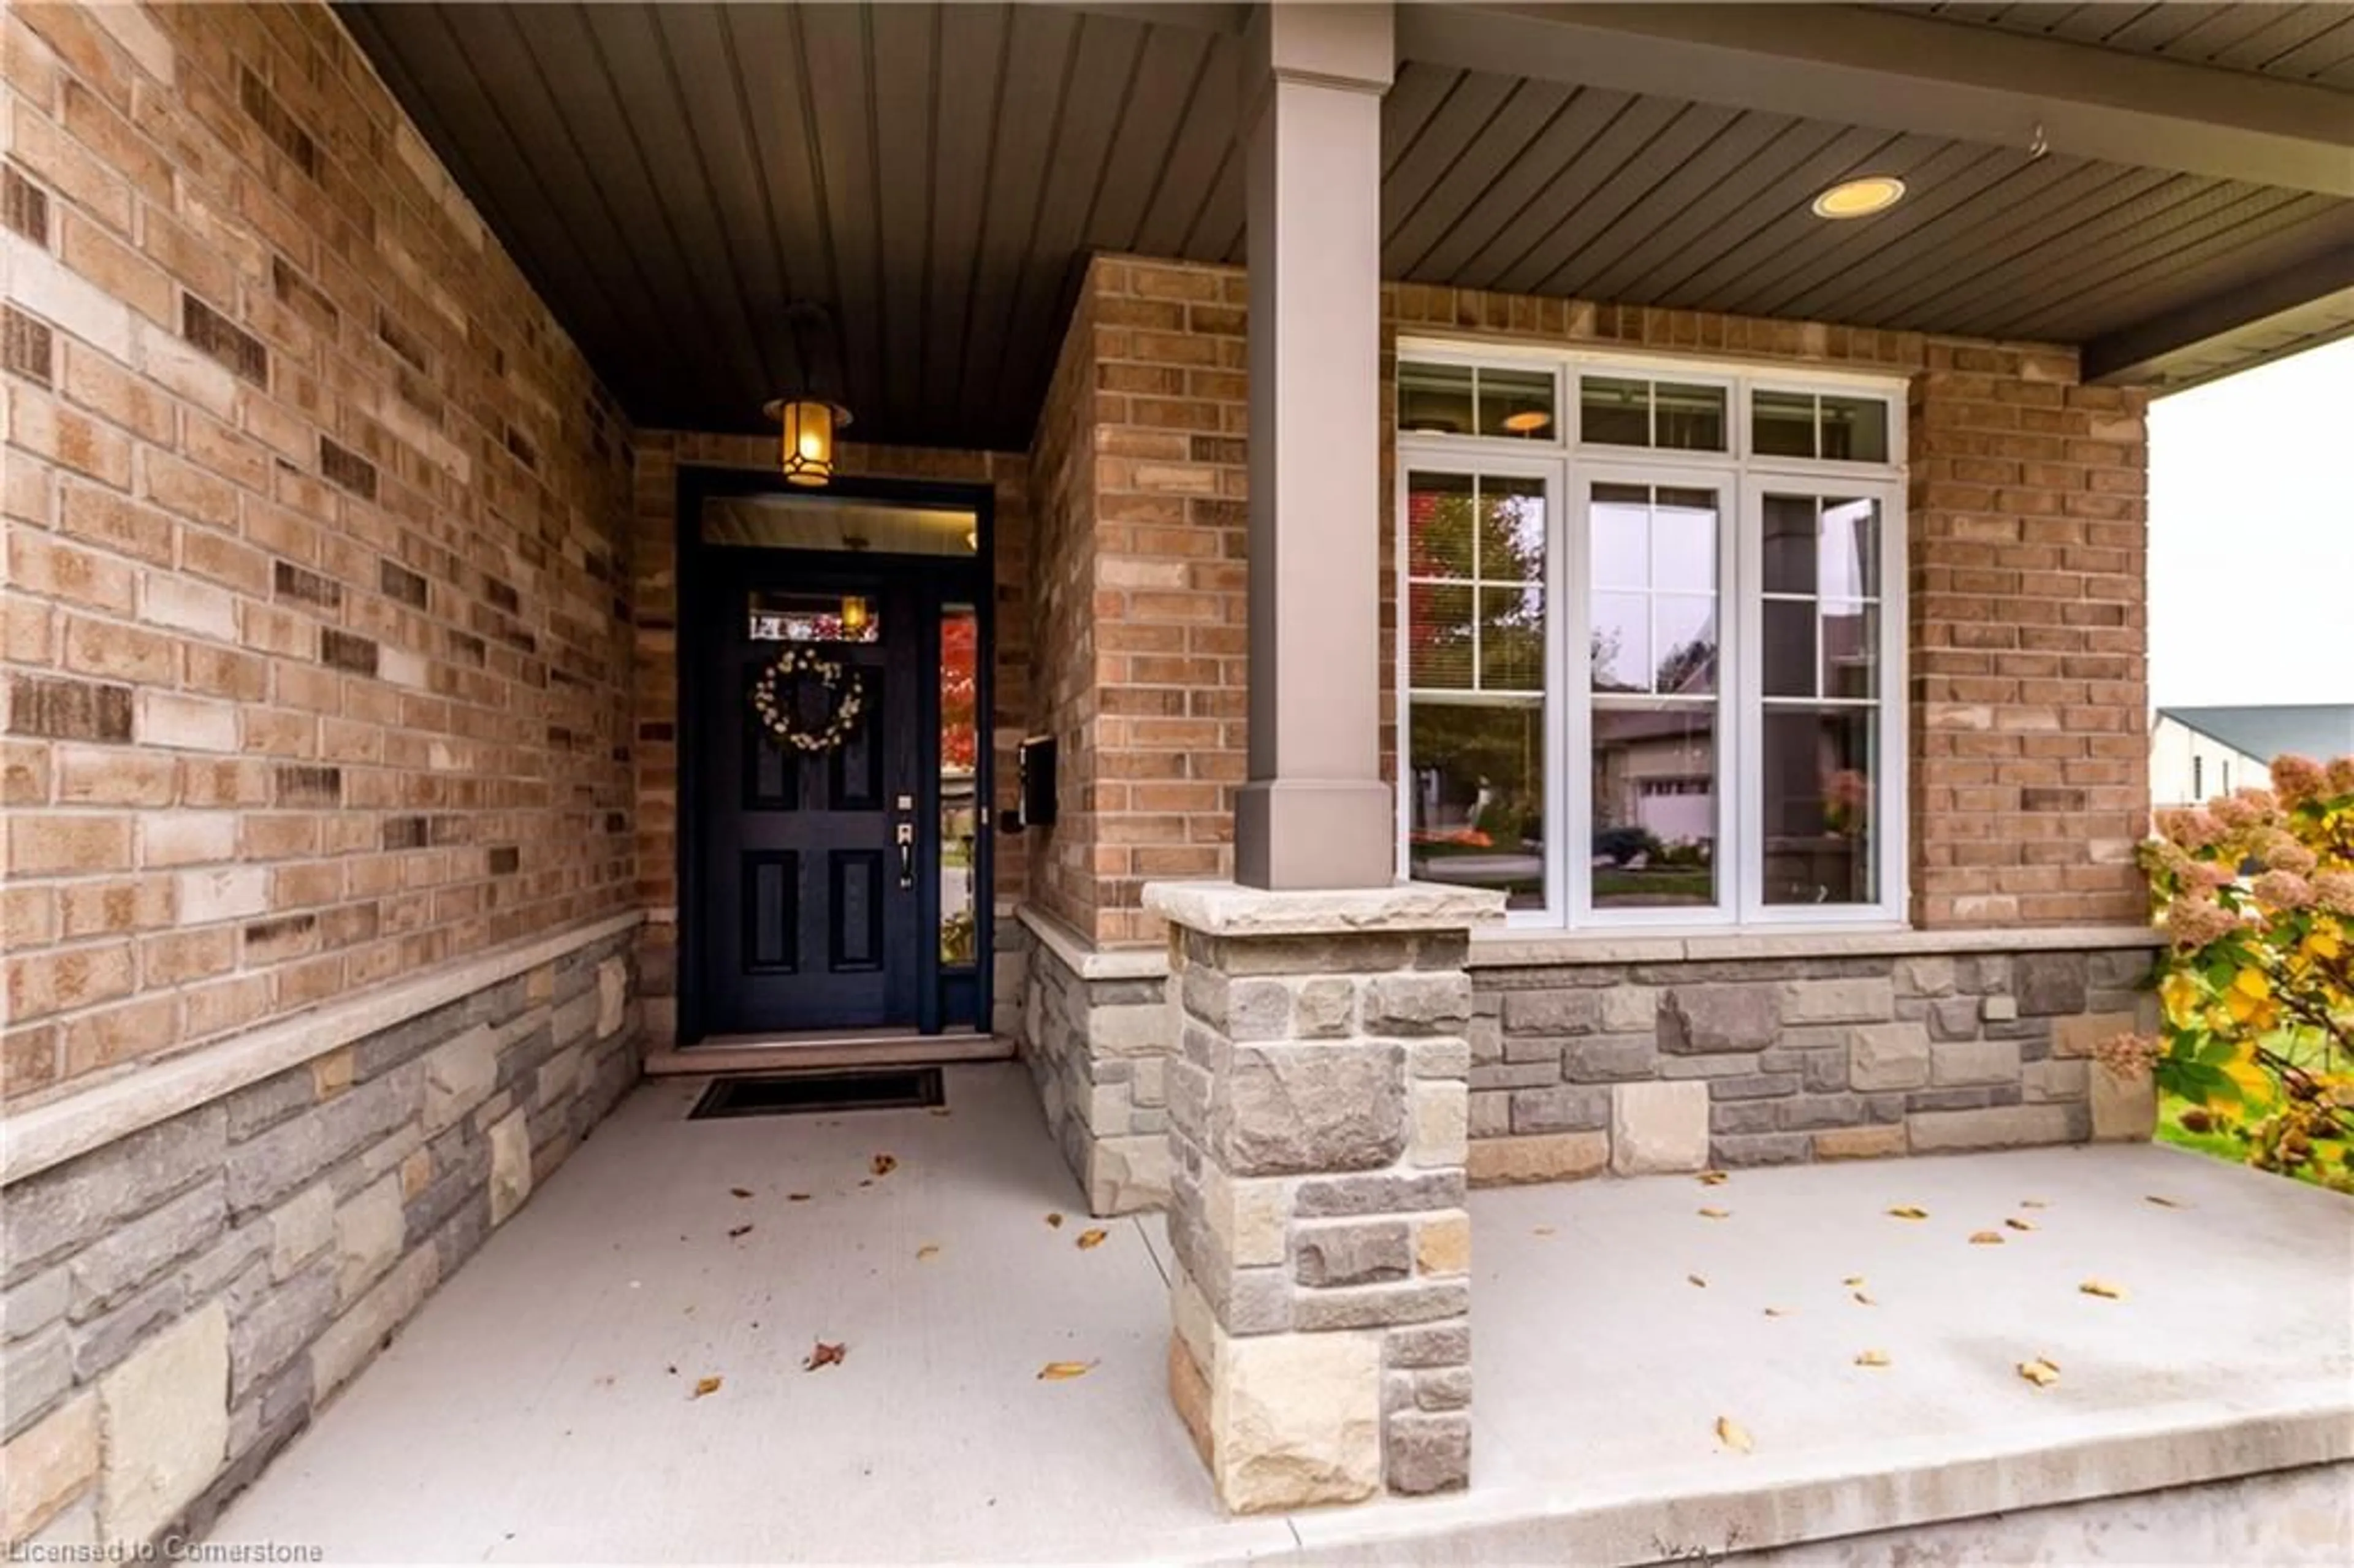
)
(810, 428)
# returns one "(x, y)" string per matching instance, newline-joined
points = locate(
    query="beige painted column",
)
(1315, 814)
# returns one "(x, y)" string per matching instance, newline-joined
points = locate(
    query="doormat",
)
(800, 1094)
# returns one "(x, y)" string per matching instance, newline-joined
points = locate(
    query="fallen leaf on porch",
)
(704, 1386)
(2033, 1203)
(927, 1253)
(672, 1369)
(1985, 1239)
(1696, 1280)
(1861, 1299)
(1873, 1359)
(942, 1110)
(825, 1355)
(1777, 1311)
(1731, 1433)
(1852, 1280)
(2104, 1289)
(796, 1197)
(1543, 1231)
(1063, 1371)
(2040, 1371)
(2165, 1202)
(1056, 1221)
(1091, 1239)
(739, 1192)
(1716, 1213)
(883, 1164)
(1713, 1178)
(866, 1181)
(735, 1230)
(1907, 1211)
(2018, 1225)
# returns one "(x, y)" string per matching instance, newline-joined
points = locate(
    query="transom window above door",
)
(1649, 655)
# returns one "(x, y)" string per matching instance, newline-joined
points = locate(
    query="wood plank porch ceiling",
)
(672, 176)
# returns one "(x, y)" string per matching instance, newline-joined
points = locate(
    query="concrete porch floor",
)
(539, 1407)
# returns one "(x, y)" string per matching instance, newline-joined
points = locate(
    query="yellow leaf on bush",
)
(1091, 1239)
(1873, 1359)
(1907, 1211)
(1063, 1371)
(2256, 1084)
(2042, 1373)
(2252, 983)
(2102, 1288)
(2180, 993)
(2321, 945)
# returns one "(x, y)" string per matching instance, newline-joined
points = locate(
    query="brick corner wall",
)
(316, 649)
(2029, 639)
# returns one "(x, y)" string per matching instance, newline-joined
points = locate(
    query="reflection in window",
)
(1475, 669)
(1652, 650)
(1803, 425)
(1654, 804)
(1491, 400)
(1622, 411)
(1821, 642)
(959, 762)
(771, 617)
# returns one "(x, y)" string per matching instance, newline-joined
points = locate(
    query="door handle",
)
(904, 835)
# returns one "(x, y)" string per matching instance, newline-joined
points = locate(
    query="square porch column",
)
(1315, 812)
(1319, 1114)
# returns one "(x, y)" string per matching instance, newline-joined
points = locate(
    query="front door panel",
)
(810, 898)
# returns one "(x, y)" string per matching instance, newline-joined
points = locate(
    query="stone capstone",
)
(2125, 1105)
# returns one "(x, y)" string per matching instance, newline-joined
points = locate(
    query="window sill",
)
(1520, 947)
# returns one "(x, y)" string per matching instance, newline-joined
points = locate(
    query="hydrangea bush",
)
(2255, 890)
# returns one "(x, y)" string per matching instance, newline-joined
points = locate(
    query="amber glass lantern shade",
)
(809, 429)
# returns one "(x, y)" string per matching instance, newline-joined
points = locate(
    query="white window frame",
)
(1569, 467)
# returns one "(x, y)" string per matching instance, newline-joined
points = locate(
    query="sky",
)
(2251, 535)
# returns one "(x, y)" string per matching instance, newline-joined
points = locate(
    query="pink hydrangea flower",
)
(2281, 851)
(2195, 921)
(2341, 776)
(2193, 828)
(2334, 891)
(2283, 890)
(2297, 777)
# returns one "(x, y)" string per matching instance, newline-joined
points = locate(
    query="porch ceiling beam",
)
(1896, 72)
(2314, 299)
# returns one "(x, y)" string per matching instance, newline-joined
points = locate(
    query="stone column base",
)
(1318, 1125)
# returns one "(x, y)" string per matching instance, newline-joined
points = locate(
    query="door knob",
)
(904, 835)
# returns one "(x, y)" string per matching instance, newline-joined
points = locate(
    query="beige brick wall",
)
(1141, 618)
(316, 656)
(2027, 622)
(660, 455)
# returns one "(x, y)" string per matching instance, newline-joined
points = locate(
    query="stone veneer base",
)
(1096, 1035)
(178, 1302)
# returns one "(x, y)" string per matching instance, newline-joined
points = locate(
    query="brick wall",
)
(2030, 640)
(659, 456)
(316, 624)
(2026, 544)
(1141, 626)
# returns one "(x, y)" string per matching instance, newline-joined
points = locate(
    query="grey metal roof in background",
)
(672, 176)
(2318, 730)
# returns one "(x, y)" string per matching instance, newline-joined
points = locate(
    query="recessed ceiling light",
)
(1528, 421)
(1860, 198)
